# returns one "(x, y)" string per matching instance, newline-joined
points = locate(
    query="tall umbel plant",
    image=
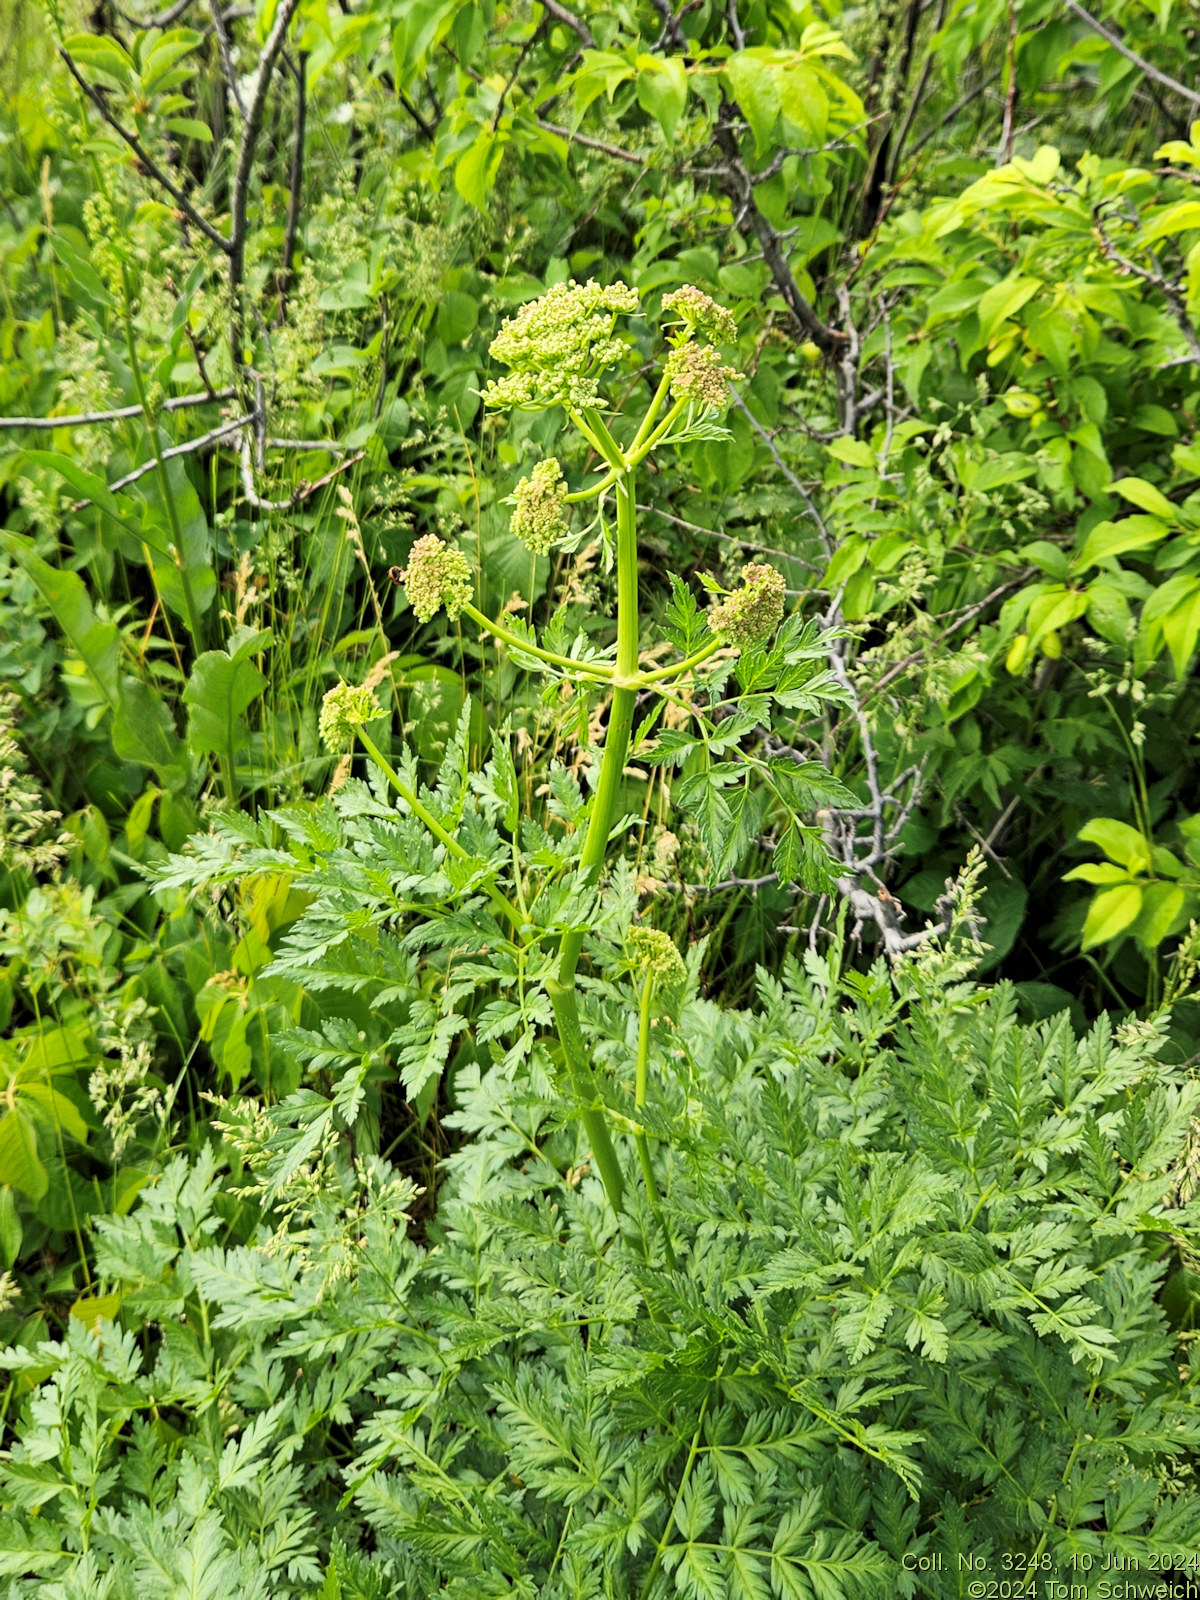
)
(562, 349)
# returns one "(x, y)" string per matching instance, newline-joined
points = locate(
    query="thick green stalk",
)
(620, 719)
(583, 1083)
(604, 804)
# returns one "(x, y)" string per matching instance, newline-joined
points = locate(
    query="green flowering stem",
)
(660, 394)
(600, 824)
(595, 430)
(661, 674)
(620, 719)
(423, 814)
(595, 491)
(514, 640)
(639, 1100)
(565, 1003)
(641, 452)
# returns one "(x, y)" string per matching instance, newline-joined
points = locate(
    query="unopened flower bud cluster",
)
(344, 709)
(437, 576)
(695, 374)
(702, 314)
(655, 955)
(752, 613)
(539, 519)
(558, 345)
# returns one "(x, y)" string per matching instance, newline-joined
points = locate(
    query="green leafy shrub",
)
(919, 1249)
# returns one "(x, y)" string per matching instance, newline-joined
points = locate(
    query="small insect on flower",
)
(397, 575)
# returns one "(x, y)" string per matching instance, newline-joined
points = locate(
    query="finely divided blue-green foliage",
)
(915, 1314)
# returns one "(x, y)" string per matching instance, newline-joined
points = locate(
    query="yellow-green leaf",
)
(1110, 914)
(1120, 843)
(1148, 498)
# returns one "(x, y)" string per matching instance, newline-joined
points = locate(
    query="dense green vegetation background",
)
(936, 1284)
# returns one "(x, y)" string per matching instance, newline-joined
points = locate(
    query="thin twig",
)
(589, 143)
(809, 504)
(91, 419)
(191, 448)
(1139, 62)
(213, 235)
(295, 184)
(302, 491)
(226, 58)
(965, 616)
(512, 77)
(728, 538)
(578, 26)
(326, 445)
(735, 25)
(741, 187)
(959, 105)
(247, 148)
(1172, 293)
(165, 19)
(1005, 153)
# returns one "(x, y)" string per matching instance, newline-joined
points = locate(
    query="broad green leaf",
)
(84, 278)
(93, 1309)
(63, 1112)
(194, 569)
(1003, 300)
(662, 88)
(219, 691)
(20, 1164)
(755, 86)
(144, 731)
(847, 559)
(99, 51)
(602, 72)
(1120, 843)
(1162, 910)
(804, 102)
(1108, 613)
(1181, 630)
(1054, 609)
(1011, 467)
(1178, 218)
(10, 1228)
(1108, 539)
(417, 26)
(1053, 336)
(1096, 872)
(95, 642)
(190, 128)
(1148, 498)
(90, 487)
(1110, 914)
(854, 452)
(475, 170)
(171, 48)
(1155, 419)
